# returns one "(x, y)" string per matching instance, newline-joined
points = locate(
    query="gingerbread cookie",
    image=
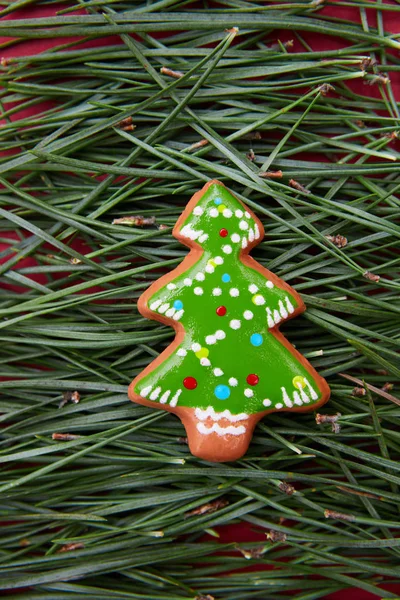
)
(228, 365)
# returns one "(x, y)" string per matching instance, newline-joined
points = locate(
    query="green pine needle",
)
(100, 498)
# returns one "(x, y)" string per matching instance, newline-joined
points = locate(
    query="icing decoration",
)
(228, 365)
(222, 392)
(190, 383)
(252, 379)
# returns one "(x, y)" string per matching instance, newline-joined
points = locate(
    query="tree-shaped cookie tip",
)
(228, 365)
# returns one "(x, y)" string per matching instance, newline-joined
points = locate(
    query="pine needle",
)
(100, 498)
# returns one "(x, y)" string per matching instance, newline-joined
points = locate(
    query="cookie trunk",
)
(217, 440)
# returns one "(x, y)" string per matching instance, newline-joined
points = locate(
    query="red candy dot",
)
(223, 232)
(221, 311)
(190, 383)
(252, 379)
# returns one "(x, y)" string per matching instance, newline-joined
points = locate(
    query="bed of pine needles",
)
(99, 497)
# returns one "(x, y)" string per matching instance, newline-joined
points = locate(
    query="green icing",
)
(220, 352)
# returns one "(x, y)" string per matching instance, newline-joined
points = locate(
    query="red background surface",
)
(238, 533)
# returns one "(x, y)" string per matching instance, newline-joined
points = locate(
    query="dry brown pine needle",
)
(339, 240)
(71, 547)
(208, 508)
(333, 514)
(287, 488)
(171, 73)
(371, 276)
(271, 174)
(135, 221)
(276, 536)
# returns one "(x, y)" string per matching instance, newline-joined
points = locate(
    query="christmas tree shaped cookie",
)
(228, 365)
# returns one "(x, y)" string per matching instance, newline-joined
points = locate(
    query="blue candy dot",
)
(256, 339)
(222, 392)
(217, 201)
(226, 278)
(178, 304)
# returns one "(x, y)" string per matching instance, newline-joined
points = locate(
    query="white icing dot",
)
(198, 291)
(248, 315)
(279, 405)
(227, 213)
(234, 292)
(216, 292)
(211, 339)
(233, 381)
(165, 396)
(243, 225)
(267, 402)
(220, 334)
(259, 300)
(289, 305)
(235, 237)
(248, 393)
(174, 399)
(269, 284)
(213, 212)
(205, 362)
(247, 214)
(253, 288)
(235, 324)
(227, 249)
(196, 347)
(171, 286)
(155, 305)
(197, 234)
(198, 211)
(270, 318)
(209, 269)
(219, 260)
(283, 312)
(184, 230)
(239, 213)
(155, 393)
(218, 372)
(187, 281)
(200, 277)
(203, 237)
(181, 352)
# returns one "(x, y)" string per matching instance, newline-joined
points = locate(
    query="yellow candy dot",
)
(212, 263)
(258, 300)
(299, 382)
(221, 208)
(202, 353)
